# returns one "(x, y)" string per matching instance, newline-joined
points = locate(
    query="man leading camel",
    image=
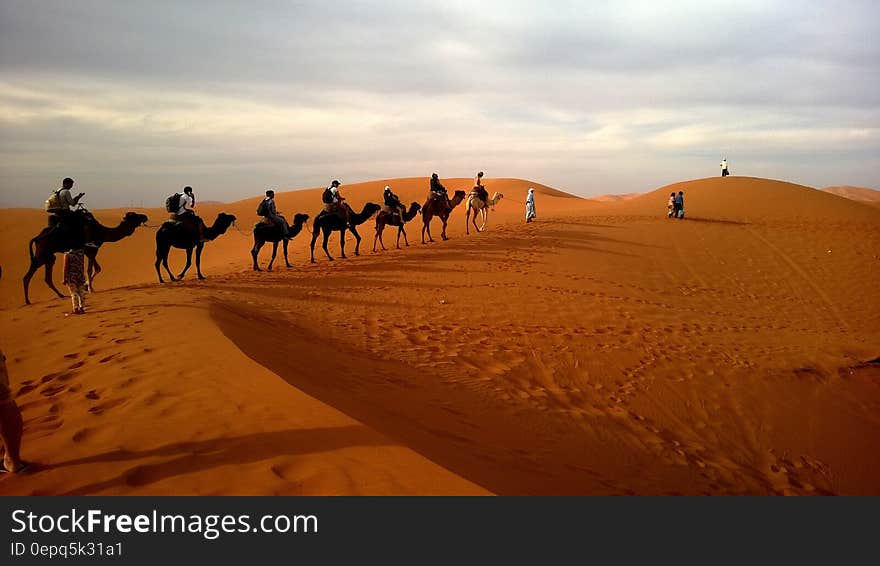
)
(61, 206)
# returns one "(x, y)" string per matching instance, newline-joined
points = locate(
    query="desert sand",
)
(861, 194)
(604, 349)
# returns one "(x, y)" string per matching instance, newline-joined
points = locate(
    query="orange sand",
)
(603, 349)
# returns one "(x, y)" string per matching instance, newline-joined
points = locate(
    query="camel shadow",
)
(715, 221)
(196, 456)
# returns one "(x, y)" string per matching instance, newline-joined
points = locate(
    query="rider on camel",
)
(393, 203)
(270, 213)
(61, 207)
(479, 189)
(438, 191)
(187, 215)
(334, 202)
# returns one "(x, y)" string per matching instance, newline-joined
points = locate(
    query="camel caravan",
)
(72, 230)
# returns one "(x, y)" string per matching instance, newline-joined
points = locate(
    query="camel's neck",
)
(217, 229)
(124, 230)
(411, 213)
(359, 218)
(455, 201)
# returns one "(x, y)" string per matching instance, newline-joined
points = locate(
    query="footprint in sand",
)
(106, 359)
(103, 407)
(93, 395)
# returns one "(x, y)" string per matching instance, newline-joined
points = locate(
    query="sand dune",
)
(603, 350)
(614, 198)
(861, 194)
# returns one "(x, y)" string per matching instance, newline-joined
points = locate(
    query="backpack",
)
(327, 197)
(172, 203)
(263, 208)
(53, 203)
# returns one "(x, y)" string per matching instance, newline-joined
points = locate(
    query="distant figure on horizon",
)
(724, 171)
(75, 279)
(269, 212)
(11, 424)
(679, 205)
(530, 206)
(670, 206)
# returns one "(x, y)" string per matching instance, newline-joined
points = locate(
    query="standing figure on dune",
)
(530, 206)
(670, 206)
(679, 205)
(724, 171)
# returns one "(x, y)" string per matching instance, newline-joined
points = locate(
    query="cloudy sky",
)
(136, 98)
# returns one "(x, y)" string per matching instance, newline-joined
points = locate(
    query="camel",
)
(186, 237)
(53, 239)
(265, 232)
(476, 204)
(436, 207)
(331, 222)
(388, 219)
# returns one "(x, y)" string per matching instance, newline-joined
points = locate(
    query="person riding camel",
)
(187, 215)
(438, 191)
(479, 189)
(334, 202)
(393, 203)
(63, 215)
(267, 210)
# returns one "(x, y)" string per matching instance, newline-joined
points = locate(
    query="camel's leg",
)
(189, 255)
(255, 252)
(357, 237)
(326, 232)
(315, 232)
(199, 249)
(426, 227)
(342, 244)
(467, 220)
(405, 239)
(443, 231)
(274, 253)
(286, 261)
(485, 214)
(473, 219)
(94, 270)
(26, 280)
(50, 265)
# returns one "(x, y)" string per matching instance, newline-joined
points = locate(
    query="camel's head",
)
(300, 218)
(225, 219)
(416, 206)
(371, 208)
(460, 195)
(498, 196)
(135, 218)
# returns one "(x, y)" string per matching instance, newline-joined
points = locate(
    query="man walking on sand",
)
(724, 171)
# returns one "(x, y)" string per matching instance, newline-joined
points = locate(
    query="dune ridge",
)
(604, 349)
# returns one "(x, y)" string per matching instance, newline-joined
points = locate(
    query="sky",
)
(136, 99)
